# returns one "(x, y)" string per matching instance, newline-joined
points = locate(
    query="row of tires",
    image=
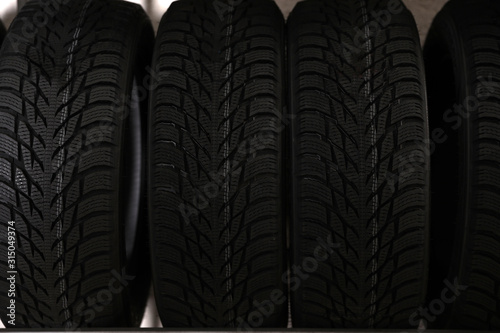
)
(244, 166)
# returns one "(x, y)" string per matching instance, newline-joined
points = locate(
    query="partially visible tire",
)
(462, 57)
(360, 165)
(72, 164)
(217, 228)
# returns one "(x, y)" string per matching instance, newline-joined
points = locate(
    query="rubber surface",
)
(217, 230)
(360, 165)
(70, 164)
(462, 58)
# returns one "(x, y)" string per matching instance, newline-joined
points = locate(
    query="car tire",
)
(72, 165)
(216, 209)
(462, 59)
(360, 165)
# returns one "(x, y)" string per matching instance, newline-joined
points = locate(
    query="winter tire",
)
(72, 164)
(462, 57)
(216, 212)
(360, 164)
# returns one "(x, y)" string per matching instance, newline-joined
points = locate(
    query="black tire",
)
(360, 164)
(462, 57)
(74, 190)
(217, 230)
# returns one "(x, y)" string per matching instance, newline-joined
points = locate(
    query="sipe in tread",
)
(216, 212)
(463, 69)
(70, 164)
(360, 165)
